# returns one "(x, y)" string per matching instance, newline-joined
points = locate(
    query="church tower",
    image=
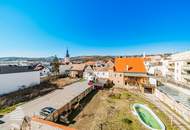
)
(67, 57)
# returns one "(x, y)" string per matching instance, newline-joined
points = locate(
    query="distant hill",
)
(44, 59)
(91, 58)
(49, 59)
(77, 59)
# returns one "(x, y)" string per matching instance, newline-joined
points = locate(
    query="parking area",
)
(56, 99)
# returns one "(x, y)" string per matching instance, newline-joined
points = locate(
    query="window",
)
(125, 82)
(115, 75)
(120, 75)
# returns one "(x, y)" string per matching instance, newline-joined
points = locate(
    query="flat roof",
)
(56, 99)
(15, 69)
(135, 74)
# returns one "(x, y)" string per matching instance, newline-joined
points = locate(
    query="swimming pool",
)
(148, 118)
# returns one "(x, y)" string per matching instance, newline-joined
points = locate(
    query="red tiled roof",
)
(101, 69)
(133, 64)
(78, 67)
(90, 63)
(52, 124)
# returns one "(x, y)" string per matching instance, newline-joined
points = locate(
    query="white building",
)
(88, 73)
(13, 78)
(64, 69)
(178, 68)
(164, 67)
(153, 65)
(44, 70)
(102, 74)
(105, 71)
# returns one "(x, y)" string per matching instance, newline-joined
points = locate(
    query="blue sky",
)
(41, 28)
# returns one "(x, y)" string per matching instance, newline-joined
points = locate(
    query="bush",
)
(126, 95)
(126, 120)
(116, 96)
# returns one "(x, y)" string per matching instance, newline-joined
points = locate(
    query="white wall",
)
(64, 68)
(178, 70)
(164, 68)
(44, 72)
(177, 107)
(153, 81)
(12, 82)
(151, 70)
(102, 74)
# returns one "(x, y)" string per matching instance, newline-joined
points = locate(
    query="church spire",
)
(67, 53)
(67, 57)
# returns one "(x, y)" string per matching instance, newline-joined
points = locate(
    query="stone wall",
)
(177, 107)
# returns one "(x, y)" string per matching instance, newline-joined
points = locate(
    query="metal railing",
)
(186, 67)
(186, 76)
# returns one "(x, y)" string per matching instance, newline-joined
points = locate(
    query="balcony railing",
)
(171, 67)
(186, 67)
(186, 76)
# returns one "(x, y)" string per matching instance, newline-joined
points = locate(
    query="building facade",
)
(88, 73)
(77, 70)
(179, 68)
(130, 73)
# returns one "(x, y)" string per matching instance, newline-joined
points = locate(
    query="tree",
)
(55, 65)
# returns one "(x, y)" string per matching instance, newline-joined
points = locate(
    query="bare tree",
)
(55, 65)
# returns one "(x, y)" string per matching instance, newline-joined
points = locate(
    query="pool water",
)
(147, 118)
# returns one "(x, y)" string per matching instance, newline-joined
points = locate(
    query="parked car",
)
(64, 118)
(46, 111)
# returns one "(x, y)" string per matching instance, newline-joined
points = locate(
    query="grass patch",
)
(125, 95)
(126, 119)
(9, 109)
(115, 96)
(82, 80)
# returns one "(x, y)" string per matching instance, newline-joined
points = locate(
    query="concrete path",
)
(179, 121)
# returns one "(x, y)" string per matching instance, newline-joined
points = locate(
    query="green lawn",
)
(125, 119)
(9, 109)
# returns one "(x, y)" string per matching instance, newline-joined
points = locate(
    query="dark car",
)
(46, 111)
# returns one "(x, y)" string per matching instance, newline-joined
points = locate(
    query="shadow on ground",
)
(83, 103)
(26, 94)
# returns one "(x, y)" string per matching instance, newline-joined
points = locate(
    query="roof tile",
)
(133, 64)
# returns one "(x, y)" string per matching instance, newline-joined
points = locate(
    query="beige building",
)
(130, 73)
(77, 70)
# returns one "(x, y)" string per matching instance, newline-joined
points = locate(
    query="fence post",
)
(101, 126)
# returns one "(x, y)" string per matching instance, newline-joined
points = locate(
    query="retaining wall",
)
(176, 106)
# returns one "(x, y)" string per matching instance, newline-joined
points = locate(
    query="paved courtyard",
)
(55, 99)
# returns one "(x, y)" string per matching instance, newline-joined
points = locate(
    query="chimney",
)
(144, 55)
(127, 67)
